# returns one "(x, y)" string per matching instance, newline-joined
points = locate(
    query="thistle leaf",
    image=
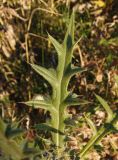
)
(76, 101)
(72, 100)
(40, 104)
(74, 70)
(70, 31)
(57, 45)
(45, 73)
(45, 127)
(106, 107)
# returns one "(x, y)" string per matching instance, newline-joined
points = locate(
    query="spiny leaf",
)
(70, 30)
(68, 42)
(76, 101)
(72, 100)
(45, 127)
(74, 70)
(57, 45)
(40, 104)
(106, 107)
(45, 73)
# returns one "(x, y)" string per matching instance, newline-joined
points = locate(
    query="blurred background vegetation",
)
(24, 25)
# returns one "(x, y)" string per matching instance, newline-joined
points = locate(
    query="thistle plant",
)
(61, 98)
(59, 79)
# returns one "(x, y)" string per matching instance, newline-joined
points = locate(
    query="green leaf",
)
(74, 70)
(46, 73)
(91, 124)
(57, 45)
(70, 31)
(40, 104)
(106, 107)
(45, 127)
(72, 100)
(69, 42)
(94, 140)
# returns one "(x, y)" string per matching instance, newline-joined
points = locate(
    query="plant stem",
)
(95, 139)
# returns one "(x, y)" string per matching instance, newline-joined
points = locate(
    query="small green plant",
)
(59, 79)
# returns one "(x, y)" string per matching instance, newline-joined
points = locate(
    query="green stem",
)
(100, 134)
(60, 91)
